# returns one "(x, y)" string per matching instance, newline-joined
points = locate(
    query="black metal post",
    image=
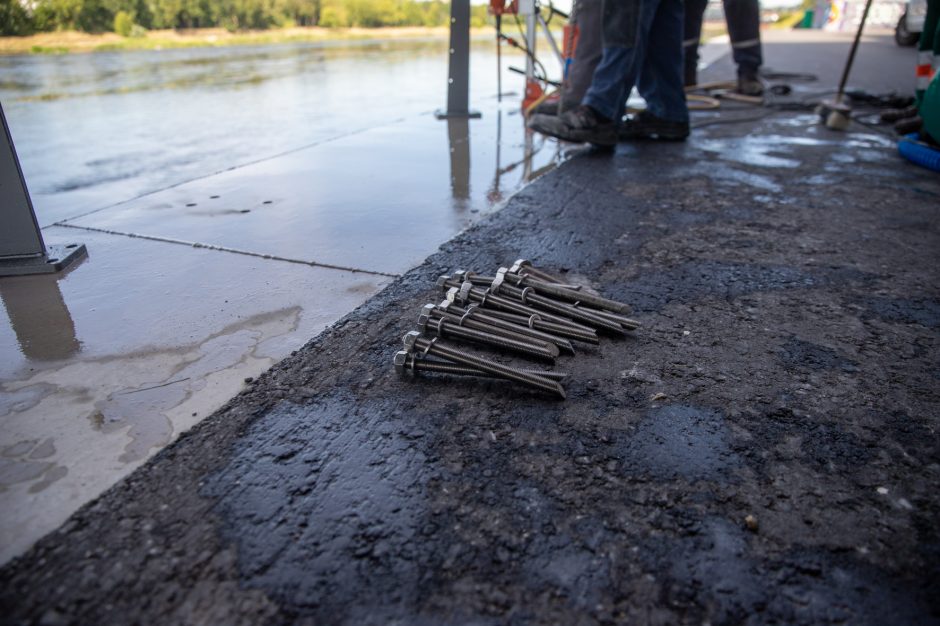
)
(458, 70)
(22, 250)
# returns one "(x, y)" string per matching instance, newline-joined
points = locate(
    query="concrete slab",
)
(108, 363)
(157, 329)
(380, 200)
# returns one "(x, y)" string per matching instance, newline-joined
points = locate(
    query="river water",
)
(92, 130)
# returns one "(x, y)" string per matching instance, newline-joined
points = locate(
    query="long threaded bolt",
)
(470, 321)
(569, 295)
(627, 322)
(441, 328)
(547, 289)
(406, 362)
(474, 318)
(524, 266)
(586, 335)
(576, 313)
(414, 341)
(481, 296)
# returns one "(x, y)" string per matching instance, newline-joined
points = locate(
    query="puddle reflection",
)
(458, 138)
(39, 317)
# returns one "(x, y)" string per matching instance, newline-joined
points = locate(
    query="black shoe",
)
(553, 106)
(645, 125)
(896, 115)
(546, 107)
(581, 124)
(908, 125)
(749, 84)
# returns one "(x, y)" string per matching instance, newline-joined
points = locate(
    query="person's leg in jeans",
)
(660, 80)
(624, 44)
(692, 35)
(627, 26)
(586, 56)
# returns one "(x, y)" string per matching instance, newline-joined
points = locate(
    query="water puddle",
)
(25, 461)
(143, 410)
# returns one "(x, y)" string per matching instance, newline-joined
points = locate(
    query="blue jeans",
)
(642, 47)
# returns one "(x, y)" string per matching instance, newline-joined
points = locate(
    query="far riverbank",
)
(67, 42)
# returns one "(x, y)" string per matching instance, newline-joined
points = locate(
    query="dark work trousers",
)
(743, 19)
(587, 55)
(642, 42)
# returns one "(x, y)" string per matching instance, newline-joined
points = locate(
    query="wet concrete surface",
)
(109, 362)
(377, 201)
(786, 370)
(193, 286)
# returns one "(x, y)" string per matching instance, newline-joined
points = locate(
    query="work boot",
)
(908, 125)
(553, 106)
(749, 83)
(581, 124)
(645, 125)
(896, 115)
(549, 106)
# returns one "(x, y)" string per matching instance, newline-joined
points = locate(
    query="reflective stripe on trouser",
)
(926, 66)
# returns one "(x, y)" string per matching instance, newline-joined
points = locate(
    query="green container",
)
(807, 21)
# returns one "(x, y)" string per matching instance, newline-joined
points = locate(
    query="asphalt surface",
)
(786, 279)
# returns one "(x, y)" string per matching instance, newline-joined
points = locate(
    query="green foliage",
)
(124, 15)
(13, 18)
(123, 23)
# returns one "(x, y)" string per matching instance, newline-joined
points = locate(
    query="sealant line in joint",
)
(209, 246)
(357, 131)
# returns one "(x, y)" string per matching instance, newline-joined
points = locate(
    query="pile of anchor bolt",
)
(523, 310)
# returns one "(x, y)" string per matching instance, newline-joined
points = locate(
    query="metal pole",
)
(851, 59)
(528, 8)
(22, 250)
(458, 70)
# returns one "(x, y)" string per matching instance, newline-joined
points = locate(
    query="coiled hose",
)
(916, 151)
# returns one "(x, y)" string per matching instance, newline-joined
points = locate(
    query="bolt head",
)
(464, 293)
(423, 322)
(409, 340)
(401, 357)
(518, 265)
(441, 280)
(427, 309)
(444, 305)
(498, 281)
(453, 294)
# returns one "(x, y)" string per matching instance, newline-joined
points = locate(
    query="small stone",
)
(882, 490)
(750, 522)
(659, 396)
(249, 379)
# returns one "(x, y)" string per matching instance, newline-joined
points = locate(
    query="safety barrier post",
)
(458, 70)
(22, 250)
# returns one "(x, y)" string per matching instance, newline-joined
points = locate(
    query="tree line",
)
(135, 17)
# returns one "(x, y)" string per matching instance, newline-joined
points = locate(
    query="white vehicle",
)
(909, 27)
